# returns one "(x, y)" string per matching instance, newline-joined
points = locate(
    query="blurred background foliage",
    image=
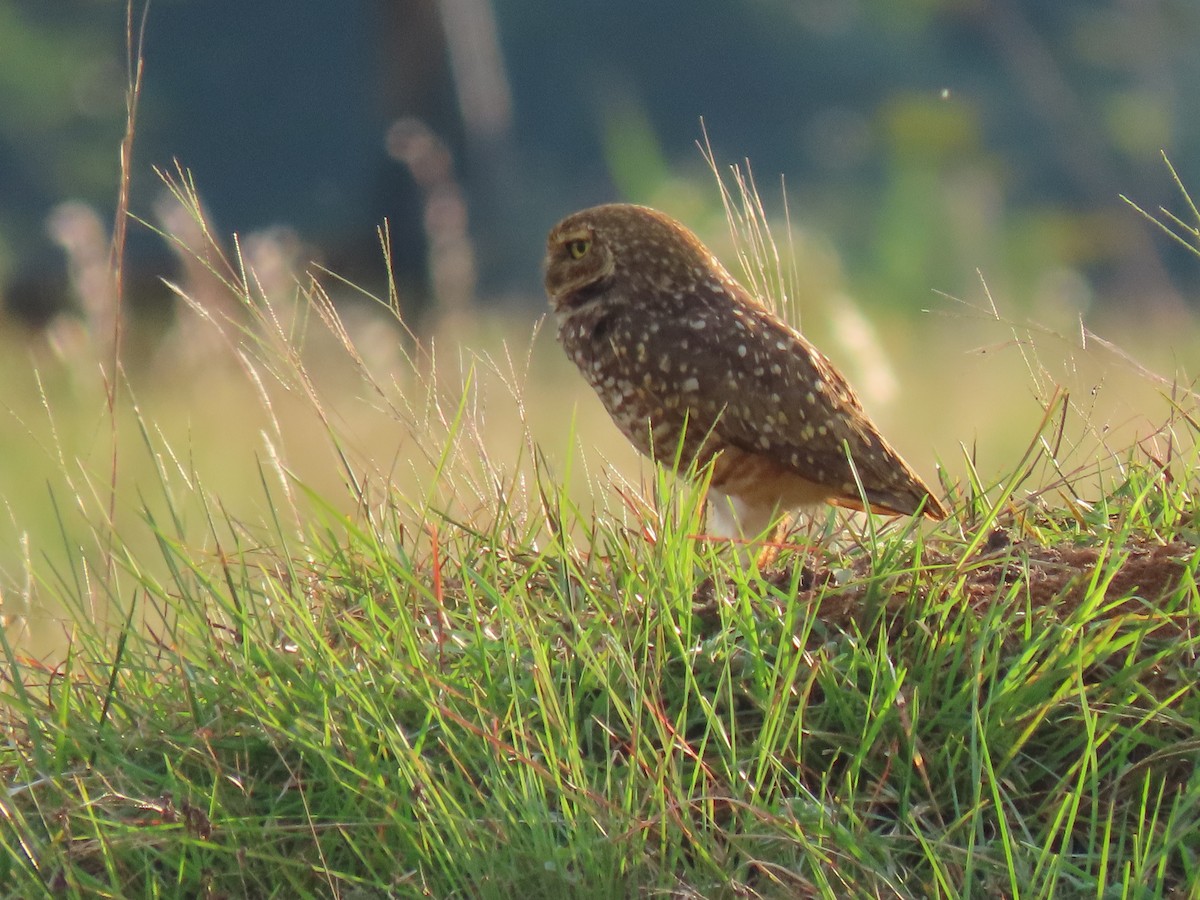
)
(921, 141)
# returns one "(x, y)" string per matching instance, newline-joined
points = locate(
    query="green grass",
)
(462, 681)
(515, 711)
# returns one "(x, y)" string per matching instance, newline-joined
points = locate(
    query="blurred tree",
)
(927, 140)
(62, 84)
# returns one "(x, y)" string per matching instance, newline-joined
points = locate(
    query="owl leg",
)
(722, 517)
(734, 518)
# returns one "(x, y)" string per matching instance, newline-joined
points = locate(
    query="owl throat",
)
(577, 298)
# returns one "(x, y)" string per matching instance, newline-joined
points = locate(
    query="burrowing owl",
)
(687, 361)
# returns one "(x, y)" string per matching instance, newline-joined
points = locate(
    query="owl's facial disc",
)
(577, 266)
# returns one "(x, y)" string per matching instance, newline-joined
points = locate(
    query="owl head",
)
(625, 253)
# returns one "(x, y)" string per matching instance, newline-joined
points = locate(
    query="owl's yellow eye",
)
(579, 248)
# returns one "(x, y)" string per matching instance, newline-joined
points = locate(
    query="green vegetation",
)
(464, 681)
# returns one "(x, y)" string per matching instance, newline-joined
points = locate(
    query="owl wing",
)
(763, 388)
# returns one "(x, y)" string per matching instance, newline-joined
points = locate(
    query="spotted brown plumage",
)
(687, 361)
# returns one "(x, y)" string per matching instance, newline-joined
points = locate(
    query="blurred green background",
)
(922, 140)
(924, 149)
